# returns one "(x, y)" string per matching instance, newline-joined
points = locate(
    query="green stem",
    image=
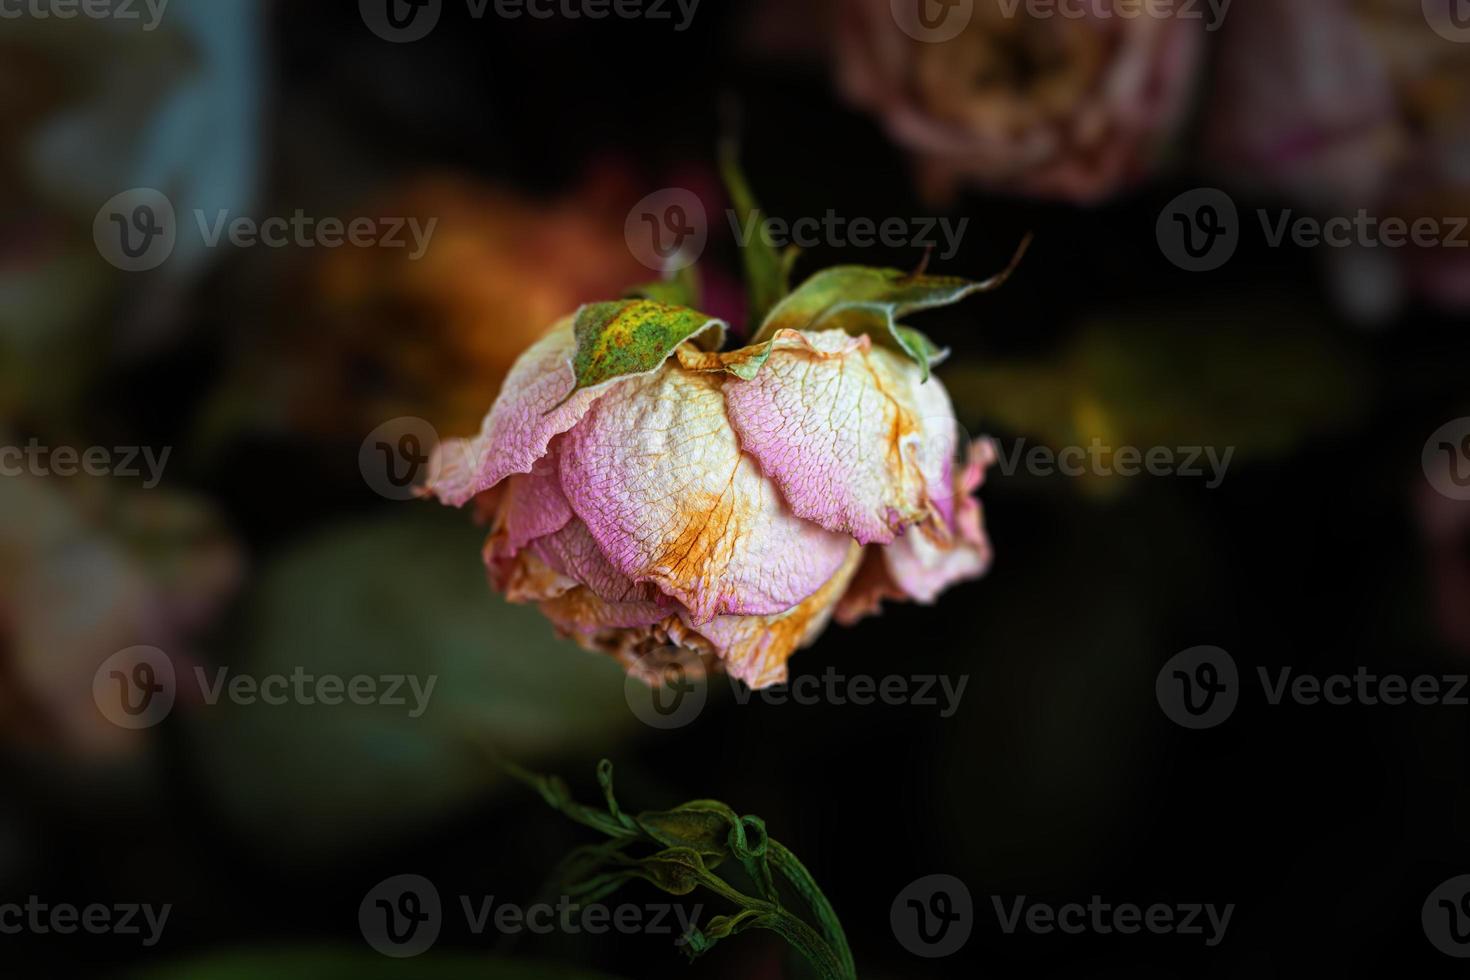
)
(806, 886)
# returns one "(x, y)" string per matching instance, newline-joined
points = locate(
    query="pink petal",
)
(845, 432)
(921, 564)
(525, 418)
(573, 552)
(656, 474)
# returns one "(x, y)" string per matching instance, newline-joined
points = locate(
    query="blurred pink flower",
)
(688, 509)
(1051, 107)
(1304, 103)
(1343, 105)
(86, 572)
(1445, 524)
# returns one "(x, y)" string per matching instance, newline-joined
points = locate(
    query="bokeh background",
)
(265, 547)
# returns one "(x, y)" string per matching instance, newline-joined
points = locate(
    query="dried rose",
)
(653, 494)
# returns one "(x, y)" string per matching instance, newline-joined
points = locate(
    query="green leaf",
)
(691, 840)
(681, 289)
(864, 300)
(919, 347)
(767, 272)
(701, 825)
(631, 337)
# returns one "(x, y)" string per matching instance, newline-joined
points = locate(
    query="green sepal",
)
(680, 289)
(864, 300)
(634, 336)
(767, 271)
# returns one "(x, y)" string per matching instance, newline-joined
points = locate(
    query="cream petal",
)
(755, 649)
(658, 477)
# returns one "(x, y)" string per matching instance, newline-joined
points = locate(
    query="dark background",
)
(1059, 778)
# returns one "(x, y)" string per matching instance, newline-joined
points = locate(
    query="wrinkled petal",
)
(754, 649)
(532, 506)
(529, 413)
(524, 577)
(838, 426)
(870, 588)
(658, 477)
(597, 624)
(919, 565)
(573, 552)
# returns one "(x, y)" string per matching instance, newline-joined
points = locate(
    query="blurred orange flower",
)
(391, 336)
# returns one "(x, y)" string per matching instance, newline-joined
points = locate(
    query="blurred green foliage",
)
(400, 595)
